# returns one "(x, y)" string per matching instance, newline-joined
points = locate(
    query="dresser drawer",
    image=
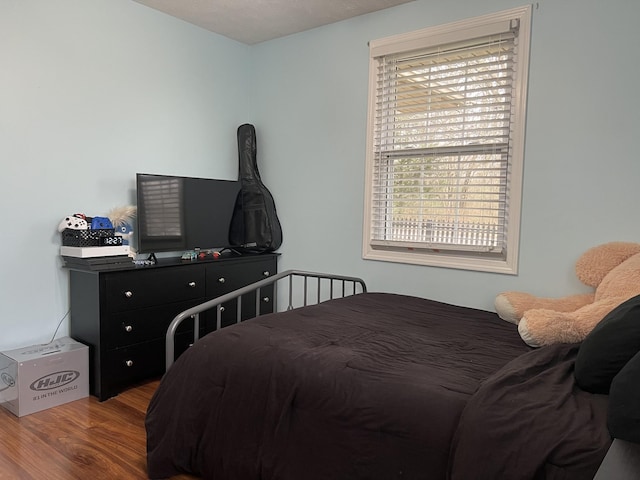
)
(126, 366)
(144, 288)
(229, 313)
(223, 279)
(136, 326)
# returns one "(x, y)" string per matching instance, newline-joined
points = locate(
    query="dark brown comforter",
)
(371, 386)
(534, 420)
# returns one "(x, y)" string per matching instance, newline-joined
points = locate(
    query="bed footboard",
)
(311, 288)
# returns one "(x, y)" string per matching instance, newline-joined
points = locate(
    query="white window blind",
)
(444, 120)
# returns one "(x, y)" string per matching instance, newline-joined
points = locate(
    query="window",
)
(445, 144)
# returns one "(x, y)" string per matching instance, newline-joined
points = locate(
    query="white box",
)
(92, 252)
(42, 376)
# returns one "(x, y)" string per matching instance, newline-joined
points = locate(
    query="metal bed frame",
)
(347, 286)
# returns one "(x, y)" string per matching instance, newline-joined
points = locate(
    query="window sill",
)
(507, 266)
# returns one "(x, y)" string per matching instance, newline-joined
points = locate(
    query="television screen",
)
(183, 213)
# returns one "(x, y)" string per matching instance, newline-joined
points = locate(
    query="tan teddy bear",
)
(612, 269)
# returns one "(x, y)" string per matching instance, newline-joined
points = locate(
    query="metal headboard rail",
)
(194, 312)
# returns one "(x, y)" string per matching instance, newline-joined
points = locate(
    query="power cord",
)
(58, 327)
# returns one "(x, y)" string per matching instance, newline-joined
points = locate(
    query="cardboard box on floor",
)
(42, 376)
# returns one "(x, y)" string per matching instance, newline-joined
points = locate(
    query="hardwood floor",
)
(84, 440)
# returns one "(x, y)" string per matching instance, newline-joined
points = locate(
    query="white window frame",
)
(425, 254)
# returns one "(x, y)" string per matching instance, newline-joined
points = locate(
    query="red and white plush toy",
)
(612, 269)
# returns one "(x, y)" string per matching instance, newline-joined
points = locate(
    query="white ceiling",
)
(254, 21)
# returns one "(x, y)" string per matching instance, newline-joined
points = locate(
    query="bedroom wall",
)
(91, 92)
(309, 104)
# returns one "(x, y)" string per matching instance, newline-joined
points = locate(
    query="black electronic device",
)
(183, 213)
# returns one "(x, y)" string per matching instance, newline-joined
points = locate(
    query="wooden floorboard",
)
(84, 439)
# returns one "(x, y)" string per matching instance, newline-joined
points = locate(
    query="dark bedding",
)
(536, 422)
(373, 386)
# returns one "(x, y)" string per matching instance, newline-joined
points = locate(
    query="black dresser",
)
(123, 314)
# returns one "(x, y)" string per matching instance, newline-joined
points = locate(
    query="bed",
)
(364, 385)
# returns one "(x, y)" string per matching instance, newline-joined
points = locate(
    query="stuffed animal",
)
(612, 269)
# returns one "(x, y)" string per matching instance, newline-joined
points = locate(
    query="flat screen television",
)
(183, 213)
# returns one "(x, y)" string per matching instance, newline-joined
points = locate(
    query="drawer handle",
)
(192, 284)
(221, 280)
(128, 328)
(129, 363)
(266, 273)
(128, 294)
(266, 299)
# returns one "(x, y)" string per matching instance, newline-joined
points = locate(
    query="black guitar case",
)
(254, 225)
